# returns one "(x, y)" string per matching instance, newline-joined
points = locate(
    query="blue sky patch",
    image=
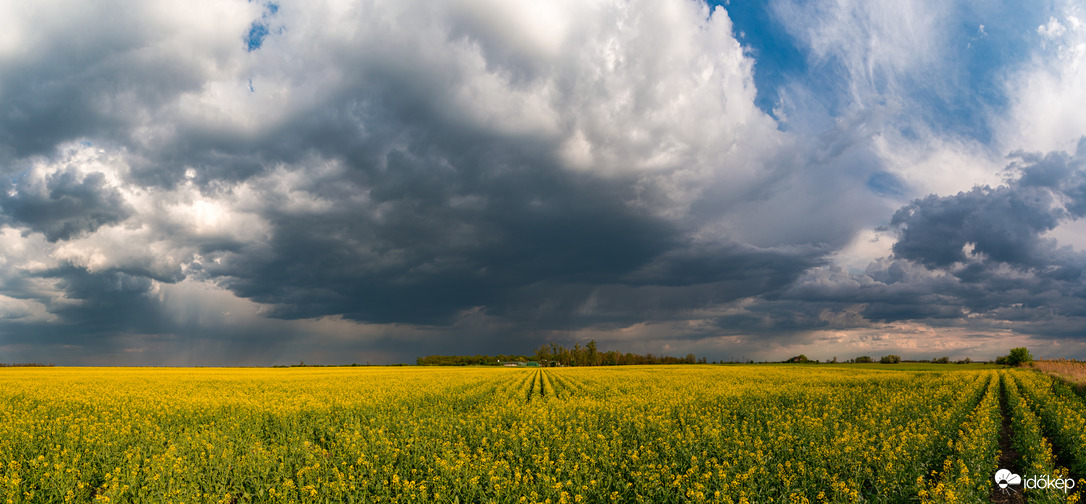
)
(885, 184)
(258, 31)
(959, 95)
(255, 38)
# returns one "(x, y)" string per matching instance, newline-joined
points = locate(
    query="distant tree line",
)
(26, 364)
(468, 360)
(866, 359)
(553, 354)
(355, 364)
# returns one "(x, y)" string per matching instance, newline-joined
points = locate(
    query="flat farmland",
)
(693, 433)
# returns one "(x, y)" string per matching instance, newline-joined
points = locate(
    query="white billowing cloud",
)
(1049, 93)
(657, 87)
(1052, 30)
(227, 214)
(657, 90)
(159, 233)
(667, 95)
(938, 164)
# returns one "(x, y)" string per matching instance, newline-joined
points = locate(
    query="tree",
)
(1016, 357)
(799, 359)
(543, 355)
(890, 359)
(612, 358)
(864, 359)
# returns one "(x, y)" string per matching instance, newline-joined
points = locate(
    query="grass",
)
(1068, 370)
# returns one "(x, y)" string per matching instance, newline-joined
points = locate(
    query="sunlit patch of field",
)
(625, 434)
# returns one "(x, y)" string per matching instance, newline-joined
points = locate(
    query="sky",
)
(255, 183)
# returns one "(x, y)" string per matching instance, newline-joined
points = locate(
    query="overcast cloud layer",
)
(257, 183)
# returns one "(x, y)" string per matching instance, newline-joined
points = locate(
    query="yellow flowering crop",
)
(653, 434)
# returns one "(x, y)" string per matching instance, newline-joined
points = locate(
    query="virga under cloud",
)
(249, 182)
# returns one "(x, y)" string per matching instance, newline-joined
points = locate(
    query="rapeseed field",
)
(654, 434)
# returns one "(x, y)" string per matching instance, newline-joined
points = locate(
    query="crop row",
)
(1037, 457)
(1062, 413)
(539, 384)
(965, 473)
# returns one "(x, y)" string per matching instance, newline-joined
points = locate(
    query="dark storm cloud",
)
(443, 242)
(456, 217)
(99, 296)
(749, 270)
(672, 286)
(1001, 225)
(86, 323)
(89, 71)
(65, 204)
(977, 258)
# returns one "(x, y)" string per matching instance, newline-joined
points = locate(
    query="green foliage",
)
(468, 360)
(799, 359)
(1016, 357)
(1019, 356)
(864, 359)
(554, 354)
(890, 359)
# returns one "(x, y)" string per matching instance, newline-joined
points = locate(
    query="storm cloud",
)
(980, 259)
(246, 182)
(65, 204)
